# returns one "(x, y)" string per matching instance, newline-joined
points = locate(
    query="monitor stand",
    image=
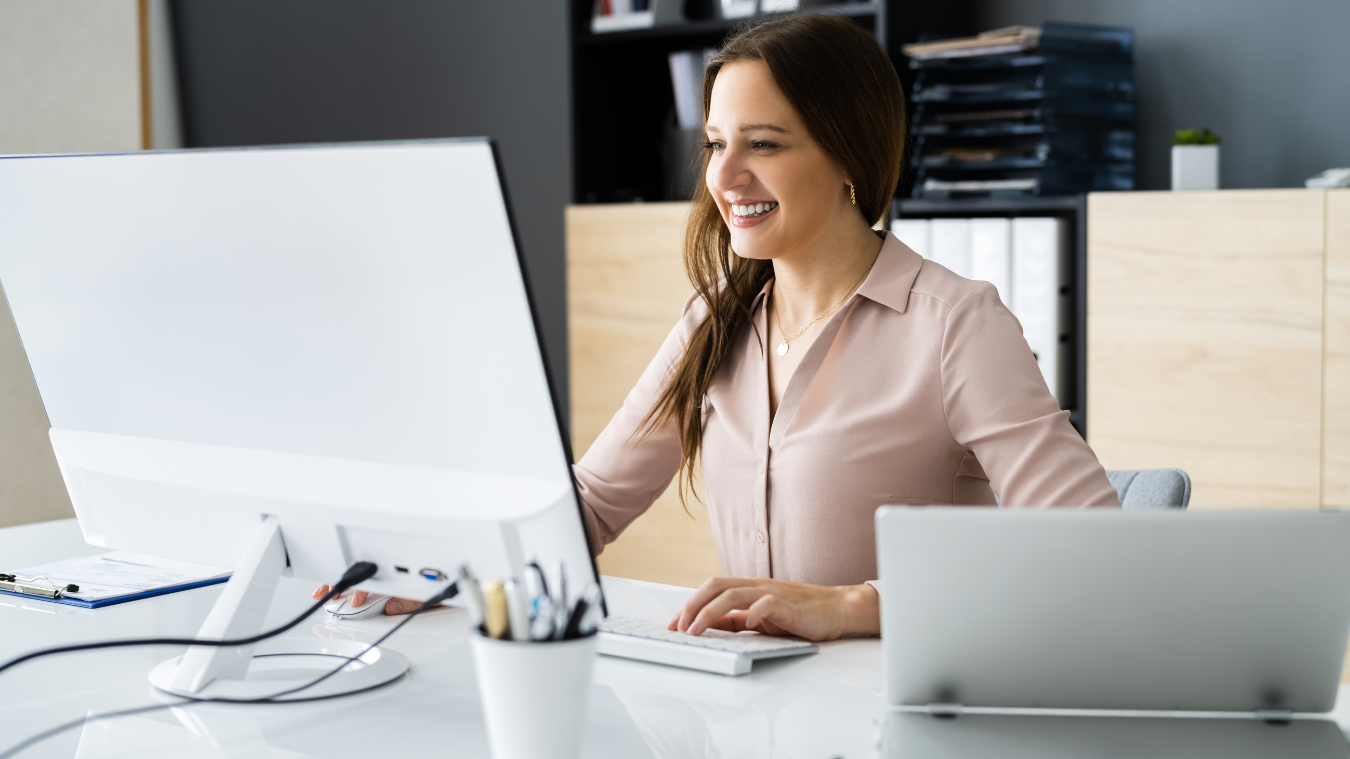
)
(274, 665)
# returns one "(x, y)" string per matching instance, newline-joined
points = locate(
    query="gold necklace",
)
(778, 316)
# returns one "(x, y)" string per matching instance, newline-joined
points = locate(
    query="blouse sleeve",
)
(998, 406)
(620, 477)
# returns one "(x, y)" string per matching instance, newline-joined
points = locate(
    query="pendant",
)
(783, 348)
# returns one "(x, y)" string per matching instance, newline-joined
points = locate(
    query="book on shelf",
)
(1011, 39)
(622, 15)
(686, 79)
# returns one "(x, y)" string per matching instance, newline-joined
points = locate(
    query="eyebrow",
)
(753, 127)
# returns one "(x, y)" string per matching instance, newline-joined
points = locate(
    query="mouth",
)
(750, 214)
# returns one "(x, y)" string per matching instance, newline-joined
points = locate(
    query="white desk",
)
(827, 705)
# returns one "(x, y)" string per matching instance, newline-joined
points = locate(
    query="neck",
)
(813, 278)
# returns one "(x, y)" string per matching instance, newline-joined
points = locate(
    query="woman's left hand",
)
(777, 607)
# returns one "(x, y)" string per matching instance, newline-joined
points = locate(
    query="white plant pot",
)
(1195, 167)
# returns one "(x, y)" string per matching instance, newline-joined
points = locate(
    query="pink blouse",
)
(920, 391)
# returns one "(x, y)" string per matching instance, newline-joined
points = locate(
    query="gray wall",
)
(257, 72)
(1271, 77)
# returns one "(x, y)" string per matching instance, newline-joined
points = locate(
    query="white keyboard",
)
(717, 651)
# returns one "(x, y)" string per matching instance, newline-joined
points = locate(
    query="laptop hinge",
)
(1275, 716)
(944, 711)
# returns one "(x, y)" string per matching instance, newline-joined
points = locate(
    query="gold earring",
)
(852, 196)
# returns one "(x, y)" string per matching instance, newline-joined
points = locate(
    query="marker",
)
(495, 616)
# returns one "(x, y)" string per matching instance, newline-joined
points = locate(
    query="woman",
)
(821, 369)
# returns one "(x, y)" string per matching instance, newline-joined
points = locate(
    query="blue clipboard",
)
(115, 599)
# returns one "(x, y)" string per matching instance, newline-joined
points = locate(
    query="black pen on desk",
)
(587, 607)
(574, 621)
(538, 584)
(594, 611)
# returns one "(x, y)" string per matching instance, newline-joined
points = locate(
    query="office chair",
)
(1143, 489)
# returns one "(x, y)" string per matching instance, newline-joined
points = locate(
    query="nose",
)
(727, 171)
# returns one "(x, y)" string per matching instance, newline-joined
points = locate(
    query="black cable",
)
(358, 573)
(450, 592)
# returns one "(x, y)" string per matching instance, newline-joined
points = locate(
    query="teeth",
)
(753, 209)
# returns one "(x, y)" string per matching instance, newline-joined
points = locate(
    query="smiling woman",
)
(809, 113)
(890, 379)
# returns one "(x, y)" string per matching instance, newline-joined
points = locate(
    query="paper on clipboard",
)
(122, 573)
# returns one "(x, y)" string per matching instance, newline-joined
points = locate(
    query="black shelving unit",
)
(622, 99)
(1073, 210)
(1054, 120)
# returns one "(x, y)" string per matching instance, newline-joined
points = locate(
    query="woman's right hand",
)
(392, 607)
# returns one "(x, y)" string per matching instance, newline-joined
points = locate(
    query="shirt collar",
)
(889, 282)
(893, 275)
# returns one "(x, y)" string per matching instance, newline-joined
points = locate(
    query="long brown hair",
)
(847, 92)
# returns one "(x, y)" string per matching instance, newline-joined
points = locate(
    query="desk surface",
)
(827, 705)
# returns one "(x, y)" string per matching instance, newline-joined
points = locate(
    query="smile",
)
(753, 209)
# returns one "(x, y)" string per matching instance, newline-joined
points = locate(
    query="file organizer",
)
(1054, 120)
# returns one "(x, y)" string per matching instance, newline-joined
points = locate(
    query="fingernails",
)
(393, 607)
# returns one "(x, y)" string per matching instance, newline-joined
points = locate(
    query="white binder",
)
(1040, 295)
(991, 255)
(950, 241)
(914, 233)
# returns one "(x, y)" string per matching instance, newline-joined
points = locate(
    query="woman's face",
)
(776, 188)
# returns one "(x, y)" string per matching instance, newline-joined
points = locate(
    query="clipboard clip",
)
(14, 584)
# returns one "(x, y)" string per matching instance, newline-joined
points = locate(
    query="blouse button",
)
(759, 537)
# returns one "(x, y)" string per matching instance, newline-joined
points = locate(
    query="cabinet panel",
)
(1336, 372)
(626, 289)
(1205, 340)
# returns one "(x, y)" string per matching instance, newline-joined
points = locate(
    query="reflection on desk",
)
(827, 705)
(973, 736)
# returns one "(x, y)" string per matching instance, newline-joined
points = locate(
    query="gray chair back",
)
(1143, 489)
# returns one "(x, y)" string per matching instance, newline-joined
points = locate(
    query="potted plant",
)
(1195, 160)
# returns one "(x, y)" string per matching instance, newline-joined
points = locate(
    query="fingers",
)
(728, 601)
(395, 606)
(321, 592)
(731, 622)
(761, 611)
(358, 598)
(710, 589)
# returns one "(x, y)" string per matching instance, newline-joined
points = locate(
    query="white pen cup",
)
(535, 695)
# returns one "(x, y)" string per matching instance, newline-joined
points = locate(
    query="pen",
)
(535, 580)
(583, 614)
(594, 613)
(560, 602)
(542, 627)
(574, 621)
(473, 592)
(515, 610)
(495, 616)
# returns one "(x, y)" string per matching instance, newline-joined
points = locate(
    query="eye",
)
(763, 145)
(714, 146)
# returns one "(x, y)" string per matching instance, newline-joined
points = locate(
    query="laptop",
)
(1113, 610)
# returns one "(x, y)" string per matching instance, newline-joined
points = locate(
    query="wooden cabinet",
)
(1219, 342)
(1336, 360)
(626, 289)
(1205, 340)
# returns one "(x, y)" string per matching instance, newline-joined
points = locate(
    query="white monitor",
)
(338, 338)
